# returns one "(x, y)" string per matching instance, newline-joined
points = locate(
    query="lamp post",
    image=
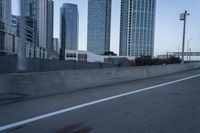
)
(190, 54)
(183, 17)
(21, 56)
(188, 42)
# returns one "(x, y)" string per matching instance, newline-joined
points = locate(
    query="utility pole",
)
(21, 56)
(190, 54)
(188, 42)
(183, 17)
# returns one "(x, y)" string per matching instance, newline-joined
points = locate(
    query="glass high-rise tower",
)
(137, 27)
(99, 26)
(69, 18)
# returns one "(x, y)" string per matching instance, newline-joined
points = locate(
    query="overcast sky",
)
(168, 26)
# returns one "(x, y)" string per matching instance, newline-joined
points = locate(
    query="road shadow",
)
(75, 128)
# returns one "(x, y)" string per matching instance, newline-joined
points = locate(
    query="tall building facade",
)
(50, 23)
(69, 18)
(99, 26)
(137, 27)
(56, 46)
(31, 21)
(45, 24)
(39, 22)
(15, 22)
(7, 41)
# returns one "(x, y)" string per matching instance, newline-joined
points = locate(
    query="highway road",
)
(167, 104)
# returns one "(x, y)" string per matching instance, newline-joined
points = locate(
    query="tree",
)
(110, 53)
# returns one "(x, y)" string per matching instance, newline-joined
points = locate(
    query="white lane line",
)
(89, 104)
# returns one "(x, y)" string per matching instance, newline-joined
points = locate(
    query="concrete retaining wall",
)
(9, 65)
(48, 83)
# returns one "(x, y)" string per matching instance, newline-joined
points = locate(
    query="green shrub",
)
(147, 60)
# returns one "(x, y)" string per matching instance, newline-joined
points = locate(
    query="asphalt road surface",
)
(167, 104)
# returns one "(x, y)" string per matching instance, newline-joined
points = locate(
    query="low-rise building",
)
(35, 51)
(86, 56)
(82, 56)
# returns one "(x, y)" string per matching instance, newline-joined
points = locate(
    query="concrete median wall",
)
(49, 83)
(9, 65)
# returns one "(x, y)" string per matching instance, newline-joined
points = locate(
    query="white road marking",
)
(13, 125)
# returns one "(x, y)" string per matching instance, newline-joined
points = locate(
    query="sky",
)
(169, 29)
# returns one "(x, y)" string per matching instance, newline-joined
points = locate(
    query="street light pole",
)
(21, 56)
(188, 48)
(183, 17)
(190, 54)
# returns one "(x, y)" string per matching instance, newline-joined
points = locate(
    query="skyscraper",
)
(6, 34)
(99, 26)
(39, 18)
(69, 18)
(137, 27)
(31, 20)
(15, 22)
(45, 24)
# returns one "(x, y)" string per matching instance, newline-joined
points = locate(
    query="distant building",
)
(39, 22)
(99, 26)
(31, 19)
(87, 56)
(137, 27)
(56, 46)
(15, 22)
(7, 37)
(164, 56)
(75, 55)
(31, 49)
(49, 24)
(69, 18)
(55, 52)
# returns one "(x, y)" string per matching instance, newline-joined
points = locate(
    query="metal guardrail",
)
(185, 53)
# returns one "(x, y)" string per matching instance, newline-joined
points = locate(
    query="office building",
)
(45, 25)
(31, 19)
(39, 22)
(15, 23)
(7, 38)
(69, 18)
(87, 56)
(99, 26)
(56, 46)
(137, 27)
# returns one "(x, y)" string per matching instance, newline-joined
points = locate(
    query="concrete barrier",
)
(9, 65)
(49, 83)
